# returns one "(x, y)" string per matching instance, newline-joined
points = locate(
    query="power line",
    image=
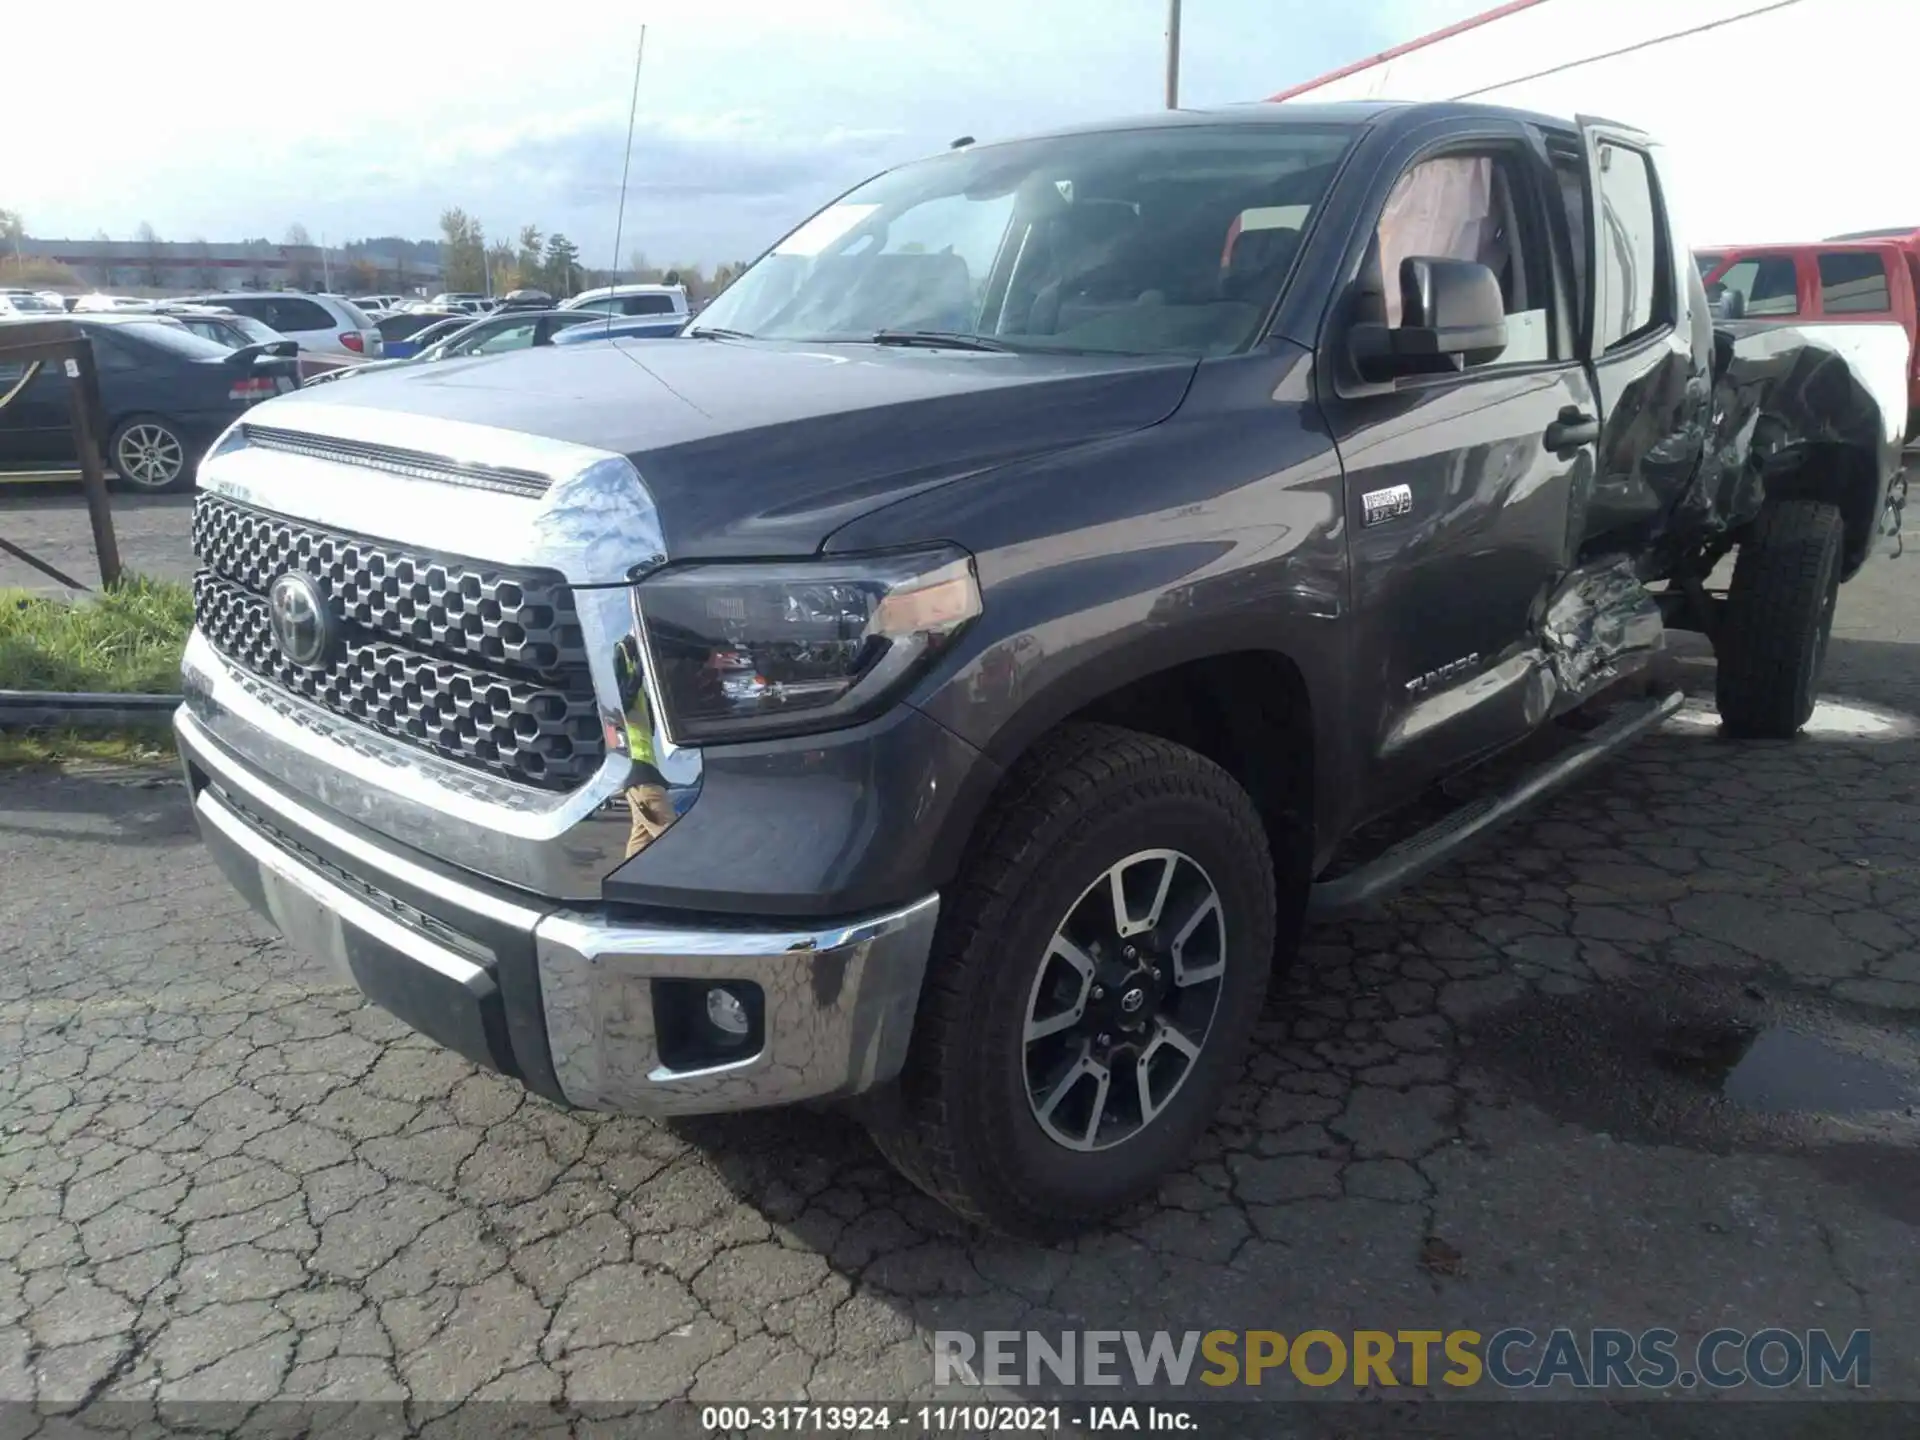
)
(1628, 49)
(626, 163)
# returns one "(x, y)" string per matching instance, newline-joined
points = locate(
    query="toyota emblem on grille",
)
(303, 627)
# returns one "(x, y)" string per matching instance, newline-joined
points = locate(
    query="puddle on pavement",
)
(1831, 720)
(1721, 1067)
(1787, 1070)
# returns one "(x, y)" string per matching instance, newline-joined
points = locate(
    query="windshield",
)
(33, 304)
(1162, 240)
(174, 338)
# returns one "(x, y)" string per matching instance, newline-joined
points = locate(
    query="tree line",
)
(468, 260)
(534, 260)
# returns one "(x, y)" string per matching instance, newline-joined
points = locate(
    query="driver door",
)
(1463, 484)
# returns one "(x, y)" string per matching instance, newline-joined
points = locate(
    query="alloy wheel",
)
(1124, 1000)
(149, 456)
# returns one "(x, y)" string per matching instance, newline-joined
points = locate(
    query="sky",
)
(230, 121)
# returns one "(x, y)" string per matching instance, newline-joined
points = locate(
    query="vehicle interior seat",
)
(906, 290)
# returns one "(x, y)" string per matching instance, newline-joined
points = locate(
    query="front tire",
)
(150, 455)
(1095, 980)
(1773, 646)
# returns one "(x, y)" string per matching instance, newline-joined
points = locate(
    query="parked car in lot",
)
(947, 677)
(1851, 288)
(223, 327)
(378, 304)
(165, 393)
(490, 335)
(622, 327)
(402, 332)
(526, 299)
(96, 302)
(28, 302)
(631, 300)
(322, 324)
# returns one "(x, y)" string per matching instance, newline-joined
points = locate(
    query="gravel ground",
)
(50, 520)
(1645, 1059)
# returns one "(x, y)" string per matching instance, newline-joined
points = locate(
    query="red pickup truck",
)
(1869, 278)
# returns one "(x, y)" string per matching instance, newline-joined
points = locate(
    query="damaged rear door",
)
(1650, 343)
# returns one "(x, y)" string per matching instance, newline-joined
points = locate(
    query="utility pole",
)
(1173, 54)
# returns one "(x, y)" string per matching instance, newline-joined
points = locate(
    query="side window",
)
(260, 310)
(290, 313)
(508, 337)
(1635, 286)
(647, 305)
(606, 305)
(110, 354)
(1570, 178)
(13, 374)
(1765, 282)
(1472, 207)
(1852, 282)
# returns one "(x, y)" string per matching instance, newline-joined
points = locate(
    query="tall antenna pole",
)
(626, 164)
(1173, 54)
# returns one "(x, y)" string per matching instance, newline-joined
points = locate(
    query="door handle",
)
(1571, 430)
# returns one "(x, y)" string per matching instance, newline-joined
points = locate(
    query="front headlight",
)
(750, 651)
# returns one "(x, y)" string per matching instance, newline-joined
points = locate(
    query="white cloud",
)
(377, 115)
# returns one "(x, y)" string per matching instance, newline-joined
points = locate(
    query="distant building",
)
(191, 265)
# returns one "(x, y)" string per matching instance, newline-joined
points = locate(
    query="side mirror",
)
(1725, 304)
(1451, 315)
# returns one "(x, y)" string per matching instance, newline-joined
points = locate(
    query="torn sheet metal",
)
(1601, 624)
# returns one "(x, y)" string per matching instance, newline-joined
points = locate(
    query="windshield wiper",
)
(718, 332)
(937, 340)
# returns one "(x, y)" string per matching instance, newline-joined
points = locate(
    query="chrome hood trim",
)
(596, 524)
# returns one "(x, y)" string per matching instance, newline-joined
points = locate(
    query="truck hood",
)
(762, 448)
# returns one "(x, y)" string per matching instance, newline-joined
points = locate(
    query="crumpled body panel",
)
(1601, 624)
(1782, 392)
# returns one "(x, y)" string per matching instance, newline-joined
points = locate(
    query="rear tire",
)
(1773, 645)
(150, 456)
(969, 1121)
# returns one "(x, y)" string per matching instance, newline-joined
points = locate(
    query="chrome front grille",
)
(483, 664)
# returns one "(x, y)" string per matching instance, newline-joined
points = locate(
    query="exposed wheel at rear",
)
(1772, 645)
(1098, 972)
(148, 453)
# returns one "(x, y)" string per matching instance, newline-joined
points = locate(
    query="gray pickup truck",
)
(949, 676)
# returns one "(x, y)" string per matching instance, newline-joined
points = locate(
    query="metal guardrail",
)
(68, 710)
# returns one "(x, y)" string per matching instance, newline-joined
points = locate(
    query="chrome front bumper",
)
(565, 998)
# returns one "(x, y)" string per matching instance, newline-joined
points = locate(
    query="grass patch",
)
(124, 641)
(111, 747)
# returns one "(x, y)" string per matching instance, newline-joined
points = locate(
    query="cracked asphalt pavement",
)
(1546, 1087)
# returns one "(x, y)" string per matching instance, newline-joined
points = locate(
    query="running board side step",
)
(1420, 853)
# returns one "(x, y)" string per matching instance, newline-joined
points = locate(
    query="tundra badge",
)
(1389, 504)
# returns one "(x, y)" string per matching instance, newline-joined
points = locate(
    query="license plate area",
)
(447, 995)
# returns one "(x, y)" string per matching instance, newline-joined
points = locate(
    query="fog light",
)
(726, 1014)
